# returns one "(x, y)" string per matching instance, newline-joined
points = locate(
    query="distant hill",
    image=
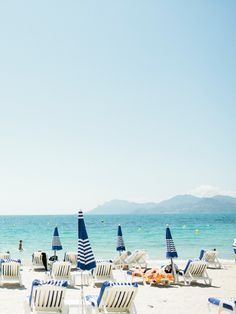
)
(176, 204)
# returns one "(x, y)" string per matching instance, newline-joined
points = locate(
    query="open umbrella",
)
(85, 258)
(56, 242)
(120, 241)
(171, 251)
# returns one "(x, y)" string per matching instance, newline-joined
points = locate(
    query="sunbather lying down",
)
(154, 276)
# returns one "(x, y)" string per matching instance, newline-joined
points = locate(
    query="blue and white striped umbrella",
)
(171, 252)
(170, 246)
(85, 258)
(56, 242)
(120, 242)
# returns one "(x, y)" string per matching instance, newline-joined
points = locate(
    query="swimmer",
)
(20, 245)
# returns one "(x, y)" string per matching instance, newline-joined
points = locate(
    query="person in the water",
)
(20, 245)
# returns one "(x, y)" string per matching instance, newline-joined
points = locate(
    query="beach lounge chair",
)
(195, 271)
(62, 271)
(113, 298)
(102, 272)
(4, 255)
(211, 257)
(47, 297)
(10, 273)
(39, 260)
(137, 259)
(224, 304)
(119, 261)
(72, 258)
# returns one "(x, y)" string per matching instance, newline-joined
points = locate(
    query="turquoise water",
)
(190, 232)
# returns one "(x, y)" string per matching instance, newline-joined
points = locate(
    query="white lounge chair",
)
(137, 259)
(62, 271)
(102, 272)
(223, 304)
(4, 255)
(211, 257)
(113, 298)
(195, 271)
(47, 297)
(72, 258)
(37, 260)
(119, 261)
(10, 273)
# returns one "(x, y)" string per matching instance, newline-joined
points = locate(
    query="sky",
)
(103, 100)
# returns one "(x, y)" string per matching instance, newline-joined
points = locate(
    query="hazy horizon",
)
(117, 100)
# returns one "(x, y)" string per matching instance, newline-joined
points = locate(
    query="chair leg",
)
(65, 309)
(26, 307)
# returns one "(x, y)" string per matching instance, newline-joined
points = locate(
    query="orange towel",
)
(153, 275)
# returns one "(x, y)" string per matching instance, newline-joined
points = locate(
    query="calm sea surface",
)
(191, 232)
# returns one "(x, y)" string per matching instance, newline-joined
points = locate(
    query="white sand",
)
(155, 299)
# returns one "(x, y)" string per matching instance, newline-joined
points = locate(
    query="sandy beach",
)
(177, 299)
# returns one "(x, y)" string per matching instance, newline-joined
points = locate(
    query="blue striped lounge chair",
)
(211, 257)
(102, 272)
(10, 272)
(224, 304)
(62, 271)
(137, 259)
(114, 297)
(195, 271)
(72, 258)
(119, 261)
(5, 255)
(47, 296)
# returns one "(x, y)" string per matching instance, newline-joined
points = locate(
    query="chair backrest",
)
(48, 298)
(136, 256)
(210, 256)
(4, 255)
(61, 269)
(103, 269)
(71, 257)
(10, 270)
(117, 297)
(196, 268)
(37, 259)
(121, 258)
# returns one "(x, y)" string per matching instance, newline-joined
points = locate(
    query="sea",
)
(191, 232)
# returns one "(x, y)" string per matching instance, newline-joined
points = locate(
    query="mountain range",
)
(177, 204)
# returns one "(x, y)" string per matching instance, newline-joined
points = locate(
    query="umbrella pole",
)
(82, 292)
(174, 271)
(55, 254)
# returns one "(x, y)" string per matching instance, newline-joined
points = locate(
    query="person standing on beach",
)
(20, 245)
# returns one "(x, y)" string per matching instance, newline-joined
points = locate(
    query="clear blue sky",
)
(115, 99)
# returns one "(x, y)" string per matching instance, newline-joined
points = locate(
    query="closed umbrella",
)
(171, 251)
(85, 258)
(120, 241)
(56, 242)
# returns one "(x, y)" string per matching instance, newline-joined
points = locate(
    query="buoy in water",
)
(197, 231)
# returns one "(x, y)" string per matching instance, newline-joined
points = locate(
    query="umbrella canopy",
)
(170, 246)
(56, 242)
(120, 242)
(171, 252)
(85, 258)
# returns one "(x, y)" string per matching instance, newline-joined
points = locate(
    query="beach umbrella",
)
(171, 251)
(85, 257)
(56, 242)
(120, 241)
